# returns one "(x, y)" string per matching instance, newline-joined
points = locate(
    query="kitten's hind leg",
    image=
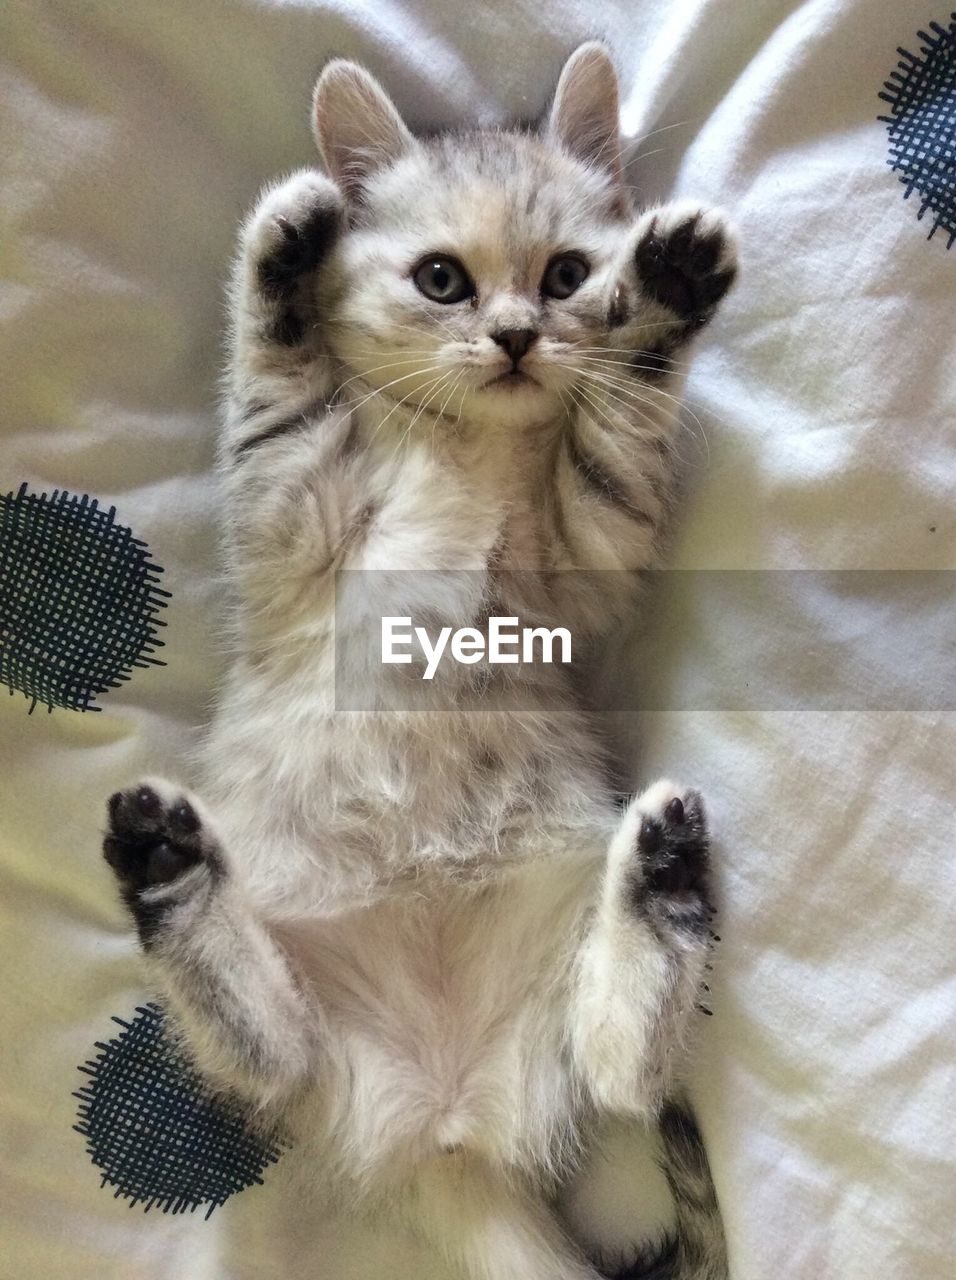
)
(490, 1227)
(226, 984)
(642, 966)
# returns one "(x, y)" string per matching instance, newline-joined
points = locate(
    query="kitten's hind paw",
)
(687, 260)
(161, 850)
(673, 856)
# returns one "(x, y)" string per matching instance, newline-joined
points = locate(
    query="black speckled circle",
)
(154, 1131)
(78, 599)
(922, 125)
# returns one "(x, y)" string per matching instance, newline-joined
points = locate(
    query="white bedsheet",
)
(132, 136)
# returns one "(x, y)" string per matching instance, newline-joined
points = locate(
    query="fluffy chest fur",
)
(375, 772)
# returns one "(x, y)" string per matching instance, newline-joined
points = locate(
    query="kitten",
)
(429, 938)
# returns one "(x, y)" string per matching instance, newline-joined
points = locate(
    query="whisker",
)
(422, 405)
(644, 154)
(637, 142)
(632, 388)
(601, 381)
(398, 404)
(653, 428)
(366, 373)
(632, 363)
(605, 412)
(623, 368)
(396, 351)
(630, 408)
(653, 431)
(353, 406)
(639, 328)
(681, 406)
(440, 413)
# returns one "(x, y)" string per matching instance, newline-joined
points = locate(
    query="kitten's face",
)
(479, 277)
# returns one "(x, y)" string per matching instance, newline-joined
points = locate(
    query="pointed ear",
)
(355, 124)
(584, 115)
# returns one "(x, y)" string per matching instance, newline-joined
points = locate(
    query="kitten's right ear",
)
(356, 125)
(584, 114)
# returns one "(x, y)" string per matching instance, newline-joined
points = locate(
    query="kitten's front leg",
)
(642, 966)
(615, 475)
(226, 984)
(294, 482)
(279, 368)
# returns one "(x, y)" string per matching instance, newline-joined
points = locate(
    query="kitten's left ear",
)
(356, 125)
(584, 115)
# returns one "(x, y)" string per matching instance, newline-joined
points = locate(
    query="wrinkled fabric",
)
(132, 137)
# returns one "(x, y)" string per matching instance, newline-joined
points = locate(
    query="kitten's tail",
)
(696, 1250)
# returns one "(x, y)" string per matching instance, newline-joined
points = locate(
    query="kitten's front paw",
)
(161, 851)
(292, 228)
(286, 239)
(687, 260)
(673, 855)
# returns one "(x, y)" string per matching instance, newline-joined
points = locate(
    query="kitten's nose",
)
(515, 341)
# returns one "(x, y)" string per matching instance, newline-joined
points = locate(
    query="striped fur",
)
(430, 938)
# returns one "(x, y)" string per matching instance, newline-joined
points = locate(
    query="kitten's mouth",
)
(512, 378)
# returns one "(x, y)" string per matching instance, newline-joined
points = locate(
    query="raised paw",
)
(686, 260)
(287, 237)
(155, 837)
(673, 855)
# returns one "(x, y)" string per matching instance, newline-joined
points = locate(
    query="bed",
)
(791, 672)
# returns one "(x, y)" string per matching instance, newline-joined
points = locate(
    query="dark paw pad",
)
(686, 263)
(673, 849)
(152, 841)
(288, 238)
(297, 248)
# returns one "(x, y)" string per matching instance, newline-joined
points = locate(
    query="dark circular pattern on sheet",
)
(922, 125)
(154, 1131)
(78, 599)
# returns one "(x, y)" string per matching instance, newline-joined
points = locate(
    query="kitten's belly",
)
(447, 1022)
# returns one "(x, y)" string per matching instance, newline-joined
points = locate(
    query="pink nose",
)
(515, 341)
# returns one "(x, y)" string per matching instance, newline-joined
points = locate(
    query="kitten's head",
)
(483, 272)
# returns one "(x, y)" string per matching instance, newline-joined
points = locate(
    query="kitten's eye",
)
(564, 275)
(443, 280)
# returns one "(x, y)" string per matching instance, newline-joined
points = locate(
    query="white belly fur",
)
(446, 1023)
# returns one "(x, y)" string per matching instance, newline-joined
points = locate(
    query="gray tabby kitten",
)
(429, 939)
